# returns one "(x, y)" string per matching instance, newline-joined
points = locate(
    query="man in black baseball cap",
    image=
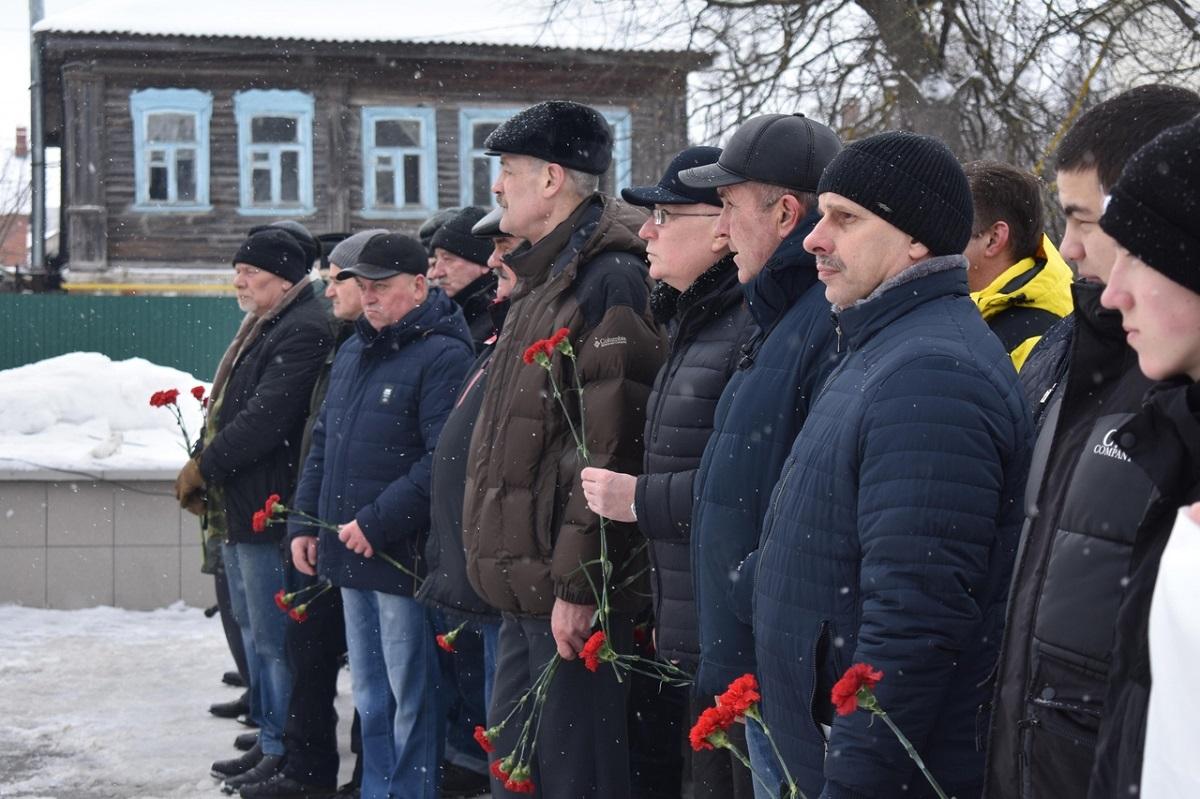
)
(766, 177)
(392, 385)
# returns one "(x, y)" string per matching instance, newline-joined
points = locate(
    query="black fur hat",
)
(559, 131)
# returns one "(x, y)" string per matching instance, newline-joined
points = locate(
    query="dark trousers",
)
(463, 690)
(582, 746)
(314, 655)
(656, 714)
(233, 633)
(717, 774)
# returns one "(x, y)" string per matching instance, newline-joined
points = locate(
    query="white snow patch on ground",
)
(113, 704)
(85, 412)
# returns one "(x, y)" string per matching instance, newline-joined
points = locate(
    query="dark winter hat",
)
(455, 236)
(673, 191)
(1154, 208)
(346, 253)
(559, 131)
(432, 225)
(275, 251)
(912, 182)
(489, 226)
(307, 241)
(387, 255)
(788, 150)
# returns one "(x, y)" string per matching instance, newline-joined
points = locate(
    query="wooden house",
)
(181, 128)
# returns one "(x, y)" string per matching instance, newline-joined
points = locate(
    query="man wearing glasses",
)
(767, 179)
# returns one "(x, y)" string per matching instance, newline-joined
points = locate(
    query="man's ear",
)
(917, 251)
(553, 178)
(788, 212)
(999, 237)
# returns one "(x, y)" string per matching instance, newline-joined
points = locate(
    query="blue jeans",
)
(762, 759)
(395, 677)
(255, 572)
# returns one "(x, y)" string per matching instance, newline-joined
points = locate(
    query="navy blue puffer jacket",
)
(757, 418)
(890, 541)
(389, 394)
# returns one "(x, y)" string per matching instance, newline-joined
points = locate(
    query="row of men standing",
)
(814, 492)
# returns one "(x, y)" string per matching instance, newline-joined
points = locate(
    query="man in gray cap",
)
(526, 524)
(767, 178)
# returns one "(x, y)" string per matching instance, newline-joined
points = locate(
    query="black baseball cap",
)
(788, 150)
(670, 190)
(387, 255)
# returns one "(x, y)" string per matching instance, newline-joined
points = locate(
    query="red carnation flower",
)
(198, 393)
(595, 650)
(445, 643)
(497, 769)
(484, 740)
(299, 613)
(741, 695)
(258, 523)
(859, 677)
(519, 786)
(538, 350)
(161, 399)
(283, 600)
(269, 506)
(560, 341)
(709, 729)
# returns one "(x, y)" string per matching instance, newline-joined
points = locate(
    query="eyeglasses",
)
(661, 215)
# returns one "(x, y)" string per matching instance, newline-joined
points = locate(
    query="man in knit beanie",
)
(890, 535)
(460, 269)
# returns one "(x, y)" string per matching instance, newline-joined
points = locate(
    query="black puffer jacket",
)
(475, 300)
(707, 323)
(260, 424)
(1084, 503)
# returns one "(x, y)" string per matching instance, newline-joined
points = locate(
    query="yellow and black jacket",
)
(1026, 299)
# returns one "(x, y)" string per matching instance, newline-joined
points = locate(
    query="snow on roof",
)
(487, 22)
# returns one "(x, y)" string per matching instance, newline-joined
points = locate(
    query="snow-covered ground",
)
(84, 412)
(113, 704)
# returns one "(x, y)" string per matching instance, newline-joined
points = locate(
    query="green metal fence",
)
(188, 333)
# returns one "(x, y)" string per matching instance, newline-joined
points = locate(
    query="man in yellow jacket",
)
(1017, 278)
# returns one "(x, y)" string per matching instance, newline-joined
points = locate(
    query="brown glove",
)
(189, 487)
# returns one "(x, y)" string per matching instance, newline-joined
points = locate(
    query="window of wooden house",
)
(478, 171)
(274, 151)
(399, 148)
(170, 149)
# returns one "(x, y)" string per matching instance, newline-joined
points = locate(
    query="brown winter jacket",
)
(526, 525)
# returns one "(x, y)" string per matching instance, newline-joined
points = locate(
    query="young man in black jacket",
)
(1085, 498)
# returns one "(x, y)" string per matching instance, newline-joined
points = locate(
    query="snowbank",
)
(112, 704)
(83, 412)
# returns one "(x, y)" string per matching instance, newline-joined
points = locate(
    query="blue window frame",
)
(170, 150)
(399, 146)
(478, 171)
(274, 152)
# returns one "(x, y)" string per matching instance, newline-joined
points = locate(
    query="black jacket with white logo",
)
(1085, 502)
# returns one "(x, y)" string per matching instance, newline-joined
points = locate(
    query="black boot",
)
(281, 786)
(233, 678)
(268, 767)
(224, 769)
(462, 782)
(246, 741)
(231, 710)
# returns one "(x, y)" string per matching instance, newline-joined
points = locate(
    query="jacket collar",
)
(940, 276)
(477, 295)
(1042, 282)
(1164, 437)
(533, 264)
(788, 273)
(438, 314)
(708, 293)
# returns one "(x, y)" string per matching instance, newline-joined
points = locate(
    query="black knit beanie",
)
(311, 245)
(911, 181)
(1154, 209)
(275, 251)
(455, 236)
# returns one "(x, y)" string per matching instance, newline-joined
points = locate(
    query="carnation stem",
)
(787, 774)
(908, 747)
(745, 761)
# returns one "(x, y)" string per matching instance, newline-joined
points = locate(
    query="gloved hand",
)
(189, 487)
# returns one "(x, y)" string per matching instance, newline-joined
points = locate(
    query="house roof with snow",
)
(472, 22)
